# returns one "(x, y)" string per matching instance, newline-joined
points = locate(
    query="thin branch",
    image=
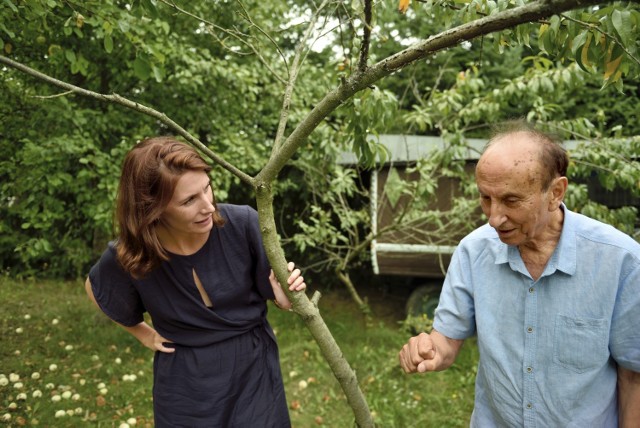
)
(232, 34)
(293, 76)
(267, 35)
(48, 97)
(366, 36)
(117, 99)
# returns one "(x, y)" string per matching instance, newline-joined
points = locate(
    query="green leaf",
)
(142, 68)
(124, 26)
(579, 41)
(621, 20)
(11, 5)
(70, 56)
(393, 187)
(108, 44)
(158, 73)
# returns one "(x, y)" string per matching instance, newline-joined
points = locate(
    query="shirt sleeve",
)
(625, 335)
(114, 290)
(261, 267)
(455, 314)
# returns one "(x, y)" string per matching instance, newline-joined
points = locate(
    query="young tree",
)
(122, 54)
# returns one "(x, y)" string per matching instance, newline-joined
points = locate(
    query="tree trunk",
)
(310, 313)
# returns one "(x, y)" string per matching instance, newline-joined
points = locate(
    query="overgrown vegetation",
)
(59, 356)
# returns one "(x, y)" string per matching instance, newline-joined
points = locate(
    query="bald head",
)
(515, 155)
(537, 154)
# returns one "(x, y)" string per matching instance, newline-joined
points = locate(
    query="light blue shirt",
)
(549, 349)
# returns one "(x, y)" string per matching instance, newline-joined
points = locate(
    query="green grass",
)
(95, 374)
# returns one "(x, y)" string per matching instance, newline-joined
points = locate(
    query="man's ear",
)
(557, 191)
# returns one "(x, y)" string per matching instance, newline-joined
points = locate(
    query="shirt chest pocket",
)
(580, 344)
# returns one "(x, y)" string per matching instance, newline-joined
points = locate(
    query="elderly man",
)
(553, 297)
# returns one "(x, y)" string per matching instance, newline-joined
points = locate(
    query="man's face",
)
(509, 179)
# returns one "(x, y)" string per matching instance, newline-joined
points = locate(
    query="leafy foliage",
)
(220, 70)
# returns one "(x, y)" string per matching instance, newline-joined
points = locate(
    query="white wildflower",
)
(6, 417)
(13, 406)
(55, 321)
(27, 317)
(35, 375)
(124, 425)
(132, 421)
(60, 413)
(49, 386)
(66, 395)
(68, 348)
(101, 385)
(37, 393)
(53, 367)
(118, 360)
(13, 377)
(4, 381)
(56, 398)
(78, 410)
(302, 384)
(18, 385)
(103, 391)
(19, 330)
(22, 396)
(75, 397)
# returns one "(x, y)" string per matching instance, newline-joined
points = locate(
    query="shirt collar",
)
(564, 257)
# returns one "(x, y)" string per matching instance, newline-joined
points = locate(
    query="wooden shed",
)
(401, 253)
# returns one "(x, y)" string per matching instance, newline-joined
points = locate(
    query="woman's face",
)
(191, 206)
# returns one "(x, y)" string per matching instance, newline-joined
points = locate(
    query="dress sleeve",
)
(114, 290)
(261, 265)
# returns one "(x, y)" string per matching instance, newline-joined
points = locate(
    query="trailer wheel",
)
(423, 300)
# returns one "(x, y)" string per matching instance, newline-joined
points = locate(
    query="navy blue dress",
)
(225, 371)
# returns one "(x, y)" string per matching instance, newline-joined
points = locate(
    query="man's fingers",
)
(418, 354)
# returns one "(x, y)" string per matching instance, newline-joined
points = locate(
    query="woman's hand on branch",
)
(295, 283)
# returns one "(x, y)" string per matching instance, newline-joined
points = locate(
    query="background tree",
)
(246, 53)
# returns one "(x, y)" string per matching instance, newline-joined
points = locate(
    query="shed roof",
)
(409, 148)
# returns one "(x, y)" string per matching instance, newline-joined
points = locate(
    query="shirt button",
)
(529, 406)
(529, 369)
(531, 290)
(529, 329)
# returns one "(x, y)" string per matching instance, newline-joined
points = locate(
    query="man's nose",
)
(496, 215)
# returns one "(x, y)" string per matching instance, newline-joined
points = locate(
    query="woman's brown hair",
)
(149, 176)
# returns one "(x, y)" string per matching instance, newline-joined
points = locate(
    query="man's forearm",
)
(628, 398)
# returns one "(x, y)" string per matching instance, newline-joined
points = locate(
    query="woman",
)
(200, 271)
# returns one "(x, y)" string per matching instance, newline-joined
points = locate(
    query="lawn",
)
(62, 364)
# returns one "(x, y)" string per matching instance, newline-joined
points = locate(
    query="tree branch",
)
(366, 36)
(449, 38)
(293, 76)
(117, 99)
